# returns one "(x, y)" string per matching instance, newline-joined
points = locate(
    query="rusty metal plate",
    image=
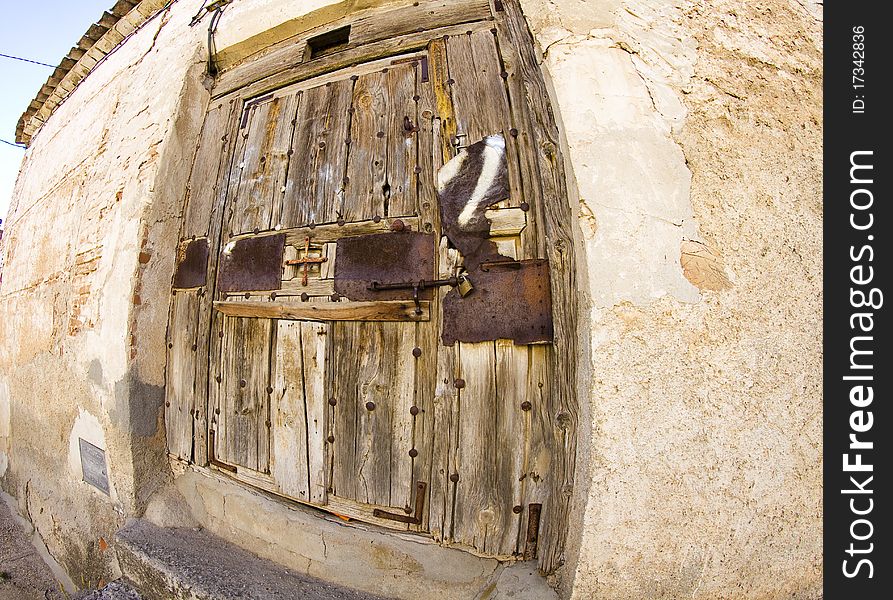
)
(406, 256)
(192, 264)
(508, 302)
(252, 264)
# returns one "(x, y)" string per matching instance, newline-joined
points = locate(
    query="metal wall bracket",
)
(413, 519)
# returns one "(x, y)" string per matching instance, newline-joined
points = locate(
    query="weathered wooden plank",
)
(480, 98)
(364, 191)
(400, 130)
(554, 217)
(207, 339)
(410, 17)
(209, 161)
(364, 371)
(389, 310)
(402, 399)
(332, 232)
(181, 383)
(289, 461)
(315, 348)
(244, 432)
(520, 146)
(539, 436)
(427, 333)
(478, 510)
(264, 164)
(316, 169)
(376, 37)
(511, 394)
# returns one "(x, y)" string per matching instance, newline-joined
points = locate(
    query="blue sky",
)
(43, 32)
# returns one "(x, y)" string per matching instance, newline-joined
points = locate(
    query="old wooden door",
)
(356, 404)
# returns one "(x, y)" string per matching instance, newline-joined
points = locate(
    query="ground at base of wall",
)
(23, 574)
(116, 590)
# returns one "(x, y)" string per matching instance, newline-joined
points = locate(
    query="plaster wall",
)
(692, 136)
(84, 297)
(693, 133)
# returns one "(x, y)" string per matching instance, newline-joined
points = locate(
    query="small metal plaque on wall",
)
(93, 466)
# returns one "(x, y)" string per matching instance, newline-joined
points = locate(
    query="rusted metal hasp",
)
(511, 300)
(383, 257)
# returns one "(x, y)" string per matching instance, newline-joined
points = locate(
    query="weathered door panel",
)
(366, 416)
(181, 376)
(242, 394)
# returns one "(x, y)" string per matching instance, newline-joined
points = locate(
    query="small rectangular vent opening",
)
(329, 42)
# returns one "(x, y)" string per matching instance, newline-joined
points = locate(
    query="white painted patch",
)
(449, 170)
(87, 427)
(228, 249)
(492, 156)
(4, 463)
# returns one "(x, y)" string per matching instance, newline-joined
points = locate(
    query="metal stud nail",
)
(525, 406)
(417, 352)
(305, 297)
(459, 383)
(525, 206)
(517, 509)
(332, 401)
(454, 477)
(413, 453)
(331, 440)
(370, 405)
(414, 410)
(242, 383)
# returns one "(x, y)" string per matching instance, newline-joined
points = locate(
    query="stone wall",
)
(692, 134)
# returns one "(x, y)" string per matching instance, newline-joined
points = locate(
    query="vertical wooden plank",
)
(520, 147)
(208, 342)
(289, 461)
(511, 393)
(364, 190)
(539, 435)
(362, 458)
(429, 408)
(402, 399)
(318, 156)
(264, 163)
(478, 511)
(553, 217)
(181, 383)
(202, 190)
(244, 438)
(480, 98)
(314, 348)
(401, 194)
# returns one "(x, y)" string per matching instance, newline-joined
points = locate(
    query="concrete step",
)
(192, 564)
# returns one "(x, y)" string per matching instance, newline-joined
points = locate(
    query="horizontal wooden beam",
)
(391, 310)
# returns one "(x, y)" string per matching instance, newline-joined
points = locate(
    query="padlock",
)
(465, 286)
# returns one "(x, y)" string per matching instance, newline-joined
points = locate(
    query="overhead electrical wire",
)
(13, 144)
(28, 60)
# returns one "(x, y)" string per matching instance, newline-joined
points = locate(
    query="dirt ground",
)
(23, 574)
